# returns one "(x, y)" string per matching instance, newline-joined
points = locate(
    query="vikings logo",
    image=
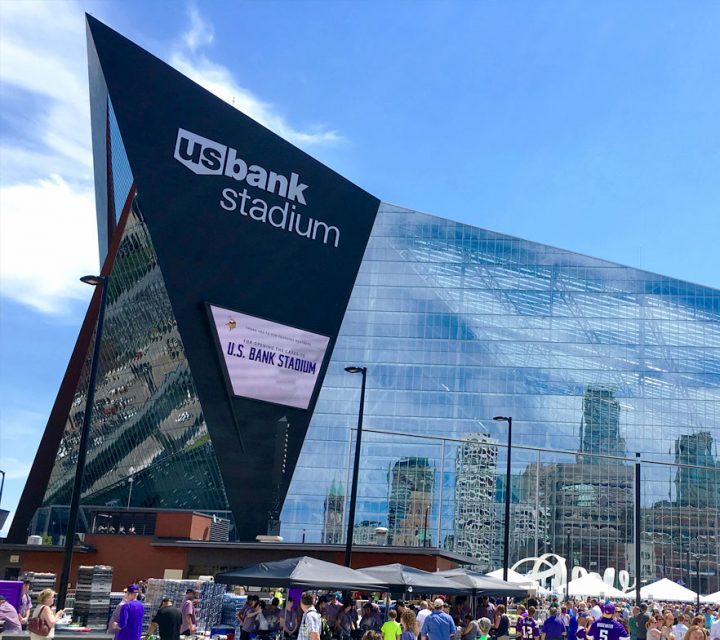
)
(231, 324)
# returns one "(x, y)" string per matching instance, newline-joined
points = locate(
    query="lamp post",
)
(508, 480)
(356, 466)
(131, 480)
(2, 484)
(95, 281)
(638, 532)
(696, 557)
(425, 528)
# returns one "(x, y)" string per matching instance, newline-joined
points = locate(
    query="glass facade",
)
(147, 420)
(148, 444)
(594, 361)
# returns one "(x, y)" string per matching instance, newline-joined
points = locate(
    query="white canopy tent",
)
(593, 585)
(515, 578)
(712, 598)
(665, 590)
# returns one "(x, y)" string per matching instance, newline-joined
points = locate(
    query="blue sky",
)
(589, 126)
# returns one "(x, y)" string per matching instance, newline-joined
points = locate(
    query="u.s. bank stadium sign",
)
(206, 157)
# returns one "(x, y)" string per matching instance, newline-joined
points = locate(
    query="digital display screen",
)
(269, 361)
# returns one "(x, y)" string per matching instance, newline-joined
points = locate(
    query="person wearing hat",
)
(607, 627)
(332, 608)
(9, 617)
(130, 621)
(438, 625)
(167, 621)
(116, 613)
(187, 627)
(484, 624)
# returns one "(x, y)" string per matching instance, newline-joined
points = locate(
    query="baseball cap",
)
(133, 588)
(439, 603)
(608, 608)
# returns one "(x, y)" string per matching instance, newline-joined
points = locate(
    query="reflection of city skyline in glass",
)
(593, 360)
(600, 426)
(411, 485)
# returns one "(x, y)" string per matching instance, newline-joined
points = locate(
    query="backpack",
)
(325, 633)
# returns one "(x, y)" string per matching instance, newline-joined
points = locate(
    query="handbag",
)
(39, 626)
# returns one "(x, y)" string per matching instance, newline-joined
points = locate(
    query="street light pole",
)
(697, 573)
(131, 480)
(356, 466)
(102, 282)
(425, 529)
(638, 534)
(508, 481)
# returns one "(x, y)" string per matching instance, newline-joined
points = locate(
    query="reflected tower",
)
(333, 517)
(411, 486)
(698, 483)
(600, 425)
(474, 519)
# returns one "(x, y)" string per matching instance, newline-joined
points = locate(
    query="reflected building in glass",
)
(475, 469)
(595, 362)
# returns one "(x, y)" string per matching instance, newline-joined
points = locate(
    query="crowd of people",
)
(337, 616)
(452, 619)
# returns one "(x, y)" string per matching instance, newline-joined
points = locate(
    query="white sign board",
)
(269, 361)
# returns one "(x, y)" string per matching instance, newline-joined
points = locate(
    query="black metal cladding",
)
(296, 268)
(210, 254)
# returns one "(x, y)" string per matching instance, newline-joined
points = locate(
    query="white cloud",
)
(47, 228)
(46, 193)
(218, 79)
(200, 33)
(39, 261)
(42, 49)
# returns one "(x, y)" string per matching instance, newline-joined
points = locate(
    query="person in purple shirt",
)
(346, 621)
(332, 609)
(250, 619)
(607, 628)
(527, 627)
(289, 620)
(130, 621)
(25, 604)
(554, 626)
(9, 617)
(187, 627)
